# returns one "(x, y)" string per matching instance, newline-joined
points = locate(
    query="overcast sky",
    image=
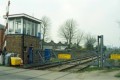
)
(92, 16)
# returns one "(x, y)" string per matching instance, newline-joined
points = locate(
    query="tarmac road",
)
(10, 73)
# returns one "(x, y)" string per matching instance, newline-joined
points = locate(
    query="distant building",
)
(54, 46)
(61, 46)
(23, 31)
(49, 45)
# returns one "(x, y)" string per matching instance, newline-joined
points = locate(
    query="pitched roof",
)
(24, 15)
(52, 43)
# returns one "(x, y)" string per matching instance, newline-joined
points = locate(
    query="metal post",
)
(102, 51)
(23, 43)
(98, 52)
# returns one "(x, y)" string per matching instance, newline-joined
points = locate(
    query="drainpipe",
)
(23, 43)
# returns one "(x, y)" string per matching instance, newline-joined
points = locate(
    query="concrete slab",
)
(34, 73)
(71, 76)
(13, 71)
(54, 75)
(5, 68)
(98, 75)
(20, 74)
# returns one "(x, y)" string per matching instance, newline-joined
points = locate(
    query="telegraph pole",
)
(6, 27)
(3, 47)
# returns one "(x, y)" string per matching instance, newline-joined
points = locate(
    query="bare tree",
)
(45, 27)
(89, 42)
(68, 31)
(79, 37)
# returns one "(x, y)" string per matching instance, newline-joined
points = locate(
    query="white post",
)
(22, 25)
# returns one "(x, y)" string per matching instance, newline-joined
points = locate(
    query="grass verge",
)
(1, 64)
(117, 75)
(111, 69)
(97, 68)
(91, 69)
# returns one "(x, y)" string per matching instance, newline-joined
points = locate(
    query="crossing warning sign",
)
(115, 56)
(64, 56)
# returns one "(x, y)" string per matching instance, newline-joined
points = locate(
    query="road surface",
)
(10, 73)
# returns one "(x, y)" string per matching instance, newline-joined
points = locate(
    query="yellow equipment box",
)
(64, 56)
(115, 56)
(15, 61)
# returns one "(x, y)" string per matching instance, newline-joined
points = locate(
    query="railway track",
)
(80, 67)
(65, 65)
(74, 66)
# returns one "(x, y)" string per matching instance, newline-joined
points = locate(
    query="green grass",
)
(104, 69)
(91, 69)
(117, 75)
(111, 69)
(1, 65)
